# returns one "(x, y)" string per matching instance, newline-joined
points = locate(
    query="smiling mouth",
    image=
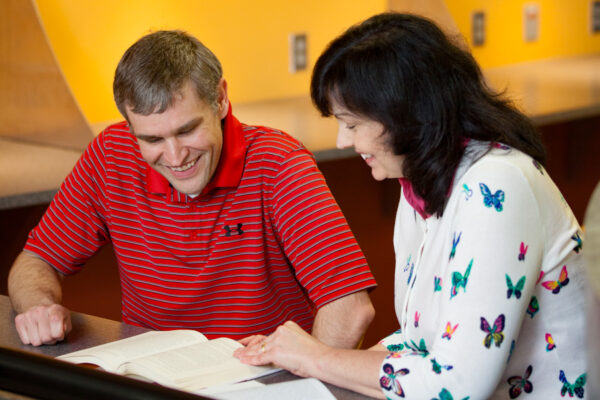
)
(184, 167)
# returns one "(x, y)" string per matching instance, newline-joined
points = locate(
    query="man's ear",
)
(223, 99)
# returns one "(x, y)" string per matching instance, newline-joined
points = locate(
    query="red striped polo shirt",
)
(265, 241)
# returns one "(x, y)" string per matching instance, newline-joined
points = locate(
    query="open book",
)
(181, 359)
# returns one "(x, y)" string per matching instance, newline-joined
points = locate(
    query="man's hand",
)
(35, 293)
(43, 324)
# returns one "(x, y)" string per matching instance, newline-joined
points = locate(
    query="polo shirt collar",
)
(231, 162)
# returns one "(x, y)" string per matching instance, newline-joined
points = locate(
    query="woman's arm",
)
(291, 348)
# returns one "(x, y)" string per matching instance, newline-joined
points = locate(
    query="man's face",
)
(184, 142)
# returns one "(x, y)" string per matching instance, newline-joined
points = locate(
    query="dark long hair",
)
(402, 71)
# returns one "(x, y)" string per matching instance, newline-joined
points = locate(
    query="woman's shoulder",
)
(499, 162)
(506, 172)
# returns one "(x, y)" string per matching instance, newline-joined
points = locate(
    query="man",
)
(217, 226)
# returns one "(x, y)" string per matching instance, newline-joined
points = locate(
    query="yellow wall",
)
(564, 30)
(250, 37)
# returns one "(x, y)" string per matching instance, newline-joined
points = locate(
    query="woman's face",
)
(369, 140)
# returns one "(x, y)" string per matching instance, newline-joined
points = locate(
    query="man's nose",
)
(175, 152)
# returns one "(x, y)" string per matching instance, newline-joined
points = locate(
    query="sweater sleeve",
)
(486, 282)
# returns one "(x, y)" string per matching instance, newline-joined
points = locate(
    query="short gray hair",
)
(158, 65)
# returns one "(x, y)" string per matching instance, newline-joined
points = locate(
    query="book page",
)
(299, 389)
(111, 356)
(228, 387)
(196, 366)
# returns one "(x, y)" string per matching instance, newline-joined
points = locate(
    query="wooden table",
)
(91, 331)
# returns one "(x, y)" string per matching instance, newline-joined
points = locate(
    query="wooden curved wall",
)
(36, 105)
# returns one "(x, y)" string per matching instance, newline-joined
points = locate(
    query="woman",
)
(488, 287)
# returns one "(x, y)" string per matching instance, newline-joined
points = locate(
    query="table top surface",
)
(548, 91)
(91, 331)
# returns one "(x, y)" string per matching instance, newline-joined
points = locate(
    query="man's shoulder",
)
(262, 140)
(117, 135)
(116, 147)
(117, 130)
(121, 126)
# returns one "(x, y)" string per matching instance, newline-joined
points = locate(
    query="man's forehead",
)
(163, 101)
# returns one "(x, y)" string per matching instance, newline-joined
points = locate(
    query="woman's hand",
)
(289, 347)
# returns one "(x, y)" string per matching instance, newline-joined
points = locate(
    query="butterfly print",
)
(420, 349)
(490, 199)
(514, 289)
(410, 274)
(397, 354)
(417, 316)
(500, 146)
(467, 191)
(455, 241)
(389, 381)
(572, 389)
(394, 348)
(437, 284)
(493, 334)
(563, 280)
(459, 280)
(446, 395)
(538, 166)
(542, 273)
(449, 331)
(523, 251)
(510, 352)
(550, 340)
(437, 367)
(579, 242)
(519, 384)
(533, 307)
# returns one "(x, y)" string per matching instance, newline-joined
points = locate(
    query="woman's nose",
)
(344, 139)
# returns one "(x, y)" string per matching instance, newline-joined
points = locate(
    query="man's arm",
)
(343, 322)
(35, 293)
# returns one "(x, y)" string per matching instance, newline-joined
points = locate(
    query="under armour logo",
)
(233, 230)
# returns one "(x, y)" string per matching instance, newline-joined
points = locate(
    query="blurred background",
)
(251, 38)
